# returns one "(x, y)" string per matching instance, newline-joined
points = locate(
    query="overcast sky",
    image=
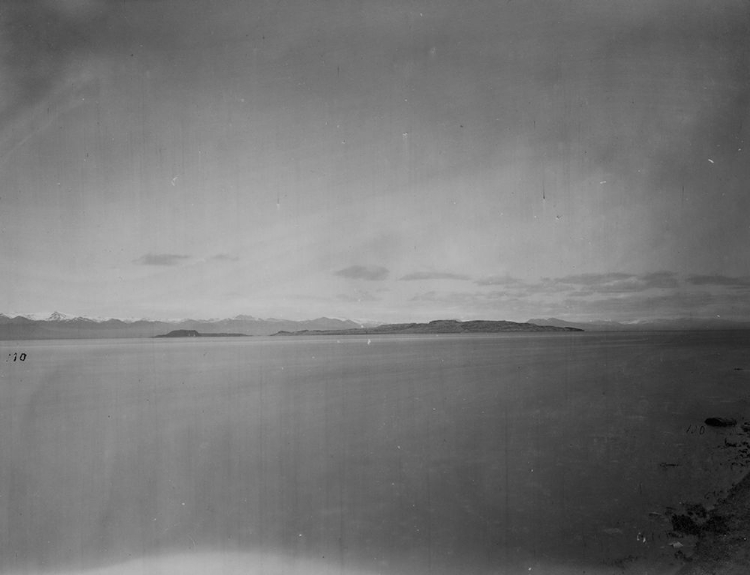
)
(383, 160)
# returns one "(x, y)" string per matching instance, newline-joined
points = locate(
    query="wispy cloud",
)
(161, 259)
(613, 283)
(433, 276)
(660, 280)
(593, 279)
(521, 288)
(520, 305)
(630, 285)
(370, 273)
(499, 281)
(224, 258)
(719, 280)
(586, 284)
(670, 304)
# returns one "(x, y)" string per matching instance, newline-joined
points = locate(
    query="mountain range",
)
(61, 326)
(677, 324)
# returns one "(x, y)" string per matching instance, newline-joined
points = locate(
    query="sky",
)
(376, 160)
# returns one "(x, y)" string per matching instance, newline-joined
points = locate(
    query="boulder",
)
(721, 422)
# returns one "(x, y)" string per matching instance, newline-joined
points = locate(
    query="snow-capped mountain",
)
(57, 316)
(59, 325)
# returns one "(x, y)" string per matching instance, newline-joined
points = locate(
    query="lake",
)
(510, 453)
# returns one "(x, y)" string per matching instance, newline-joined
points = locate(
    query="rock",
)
(685, 524)
(721, 422)
(696, 509)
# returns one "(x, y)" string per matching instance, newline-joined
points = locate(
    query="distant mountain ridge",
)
(676, 324)
(61, 326)
(439, 326)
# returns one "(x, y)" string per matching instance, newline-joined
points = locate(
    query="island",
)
(193, 333)
(437, 327)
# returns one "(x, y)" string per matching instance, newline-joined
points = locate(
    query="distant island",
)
(193, 333)
(437, 326)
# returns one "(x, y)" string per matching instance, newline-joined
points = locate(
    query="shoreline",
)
(723, 540)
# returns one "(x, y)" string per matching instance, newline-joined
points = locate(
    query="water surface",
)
(421, 454)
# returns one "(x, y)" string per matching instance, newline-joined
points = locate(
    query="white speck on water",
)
(710, 160)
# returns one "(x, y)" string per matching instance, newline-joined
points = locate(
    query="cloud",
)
(674, 304)
(433, 276)
(616, 296)
(582, 285)
(520, 288)
(593, 279)
(616, 282)
(499, 281)
(370, 273)
(224, 258)
(660, 280)
(719, 280)
(161, 259)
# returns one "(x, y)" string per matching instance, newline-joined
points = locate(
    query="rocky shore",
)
(723, 545)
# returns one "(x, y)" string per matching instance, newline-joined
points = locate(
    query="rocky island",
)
(437, 327)
(193, 333)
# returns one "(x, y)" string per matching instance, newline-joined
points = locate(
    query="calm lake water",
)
(541, 453)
